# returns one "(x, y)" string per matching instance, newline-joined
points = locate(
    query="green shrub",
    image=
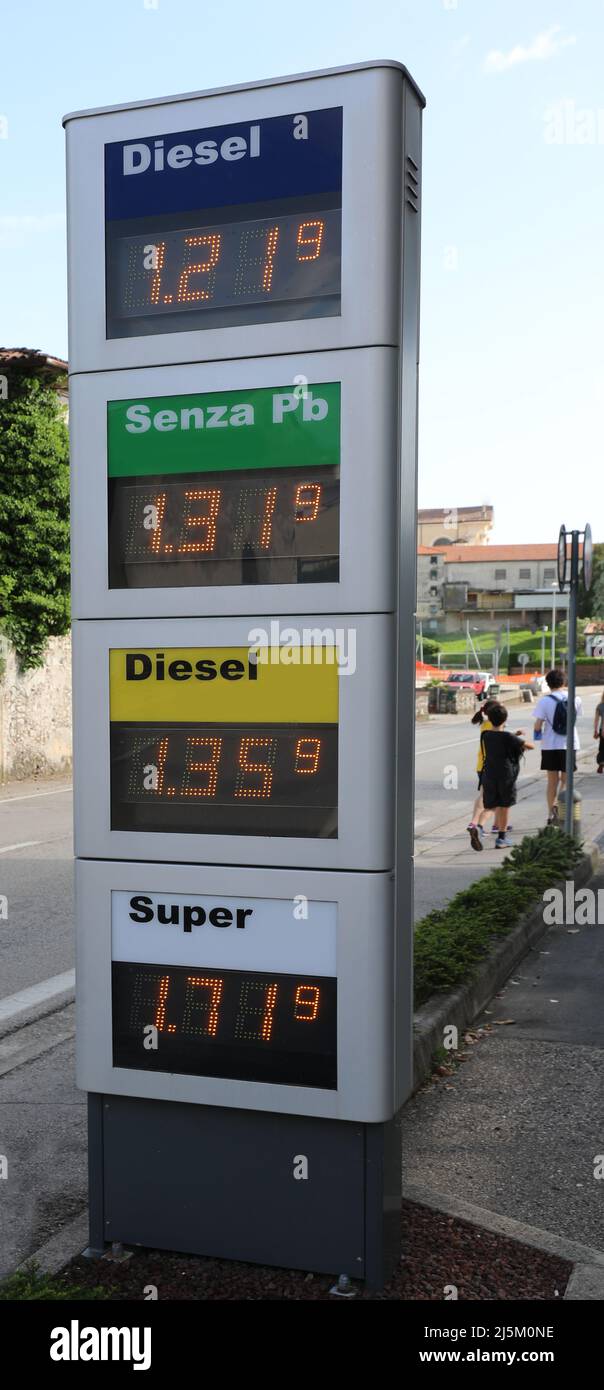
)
(451, 941)
(34, 518)
(31, 1284)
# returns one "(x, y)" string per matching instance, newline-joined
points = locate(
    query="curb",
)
(56, 1252)
(462, 1006)
(586, 1281)
(31, 1004)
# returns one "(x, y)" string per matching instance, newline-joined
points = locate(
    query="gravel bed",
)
(437, 1250)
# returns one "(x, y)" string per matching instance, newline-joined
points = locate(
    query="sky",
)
(512, 321)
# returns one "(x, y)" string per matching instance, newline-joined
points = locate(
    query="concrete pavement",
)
(36, 876)
(519, 1127)
(446, 748)
(516, 1134)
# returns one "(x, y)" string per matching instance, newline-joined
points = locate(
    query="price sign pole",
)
(569, 570)
(244, 323)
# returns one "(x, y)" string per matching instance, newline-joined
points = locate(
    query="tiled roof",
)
(489, 554)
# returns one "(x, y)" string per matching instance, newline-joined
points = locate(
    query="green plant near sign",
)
(451, 942)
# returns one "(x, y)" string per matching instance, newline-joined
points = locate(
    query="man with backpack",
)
(551, 719)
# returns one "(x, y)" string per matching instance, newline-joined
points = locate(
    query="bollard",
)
(576, 811)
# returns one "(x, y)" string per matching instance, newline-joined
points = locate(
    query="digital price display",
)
(228, 488)
(230, 1023)
(225, 779)
(219, 741)
(233, 224)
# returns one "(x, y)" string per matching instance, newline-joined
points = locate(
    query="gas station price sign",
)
(216, 741)
(230, 1023)
(225, 488)
(231, 224)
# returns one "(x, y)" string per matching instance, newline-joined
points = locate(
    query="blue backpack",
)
(560, 719)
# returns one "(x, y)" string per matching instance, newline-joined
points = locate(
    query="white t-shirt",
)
(544, 709)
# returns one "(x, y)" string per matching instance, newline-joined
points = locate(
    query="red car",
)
(478, 681)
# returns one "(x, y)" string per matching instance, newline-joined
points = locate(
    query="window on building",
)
(524, 574)
(549, 574)
(500, 574)
(434, 574)
(433, 591)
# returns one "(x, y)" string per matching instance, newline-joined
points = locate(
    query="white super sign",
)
(282, 934)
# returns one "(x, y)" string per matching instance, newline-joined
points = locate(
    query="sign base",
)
(284, 1190)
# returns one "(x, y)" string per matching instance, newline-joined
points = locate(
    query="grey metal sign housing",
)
(244, 326)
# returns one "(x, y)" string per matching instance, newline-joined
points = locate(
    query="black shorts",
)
(554, 760)
(498, 792)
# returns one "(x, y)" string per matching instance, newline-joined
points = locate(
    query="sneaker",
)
(502, 842)
(475, 837)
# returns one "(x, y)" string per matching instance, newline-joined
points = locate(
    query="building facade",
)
(438, 526)
(485, 584)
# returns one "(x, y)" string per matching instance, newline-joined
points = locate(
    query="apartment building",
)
(485, 584)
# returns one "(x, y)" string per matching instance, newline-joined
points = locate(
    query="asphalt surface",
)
(445, 788)
(518, 1128)
(516, 1132)
(36, 877)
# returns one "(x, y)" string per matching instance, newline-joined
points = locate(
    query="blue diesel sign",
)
(249, 162)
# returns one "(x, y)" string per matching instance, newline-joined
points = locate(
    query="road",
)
(36, 876)
(43, 1116)
(445, 787)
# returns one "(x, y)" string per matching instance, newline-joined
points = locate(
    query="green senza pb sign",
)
(275, 427)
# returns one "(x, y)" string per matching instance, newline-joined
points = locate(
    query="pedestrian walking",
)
(479, 814)
(551, 718)
(599, 733)
(502, 754)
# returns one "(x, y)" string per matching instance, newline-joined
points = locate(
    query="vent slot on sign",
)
(411, 183)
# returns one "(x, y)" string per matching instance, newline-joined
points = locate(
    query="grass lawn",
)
(453, 645)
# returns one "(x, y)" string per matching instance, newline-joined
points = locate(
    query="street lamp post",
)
(553, 624)
(570, 573)
(543, 651)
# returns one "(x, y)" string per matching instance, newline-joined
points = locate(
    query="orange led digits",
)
(210, 766)
(310, 1003)
(212, 1005)
(159, 503)
(159, 265)
(213, 241)
(307, 755)
(313, 501)
(160, 1013)
(264, 1011)
(162, 753)
(271, 248)
(246, 768)
(267, 519)
(314, 239)
(212, 496)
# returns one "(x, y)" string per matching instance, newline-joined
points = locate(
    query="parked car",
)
(478, 681)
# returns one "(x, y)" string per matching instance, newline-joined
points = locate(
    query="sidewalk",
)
(518, 1128)
(445, 862)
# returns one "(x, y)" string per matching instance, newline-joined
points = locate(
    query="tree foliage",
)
(591, 602)
(34, 517)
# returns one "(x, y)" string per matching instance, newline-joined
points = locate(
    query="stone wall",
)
(35, 713)
(421, 702)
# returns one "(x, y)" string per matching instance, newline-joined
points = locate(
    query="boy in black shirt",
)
(502, 754)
